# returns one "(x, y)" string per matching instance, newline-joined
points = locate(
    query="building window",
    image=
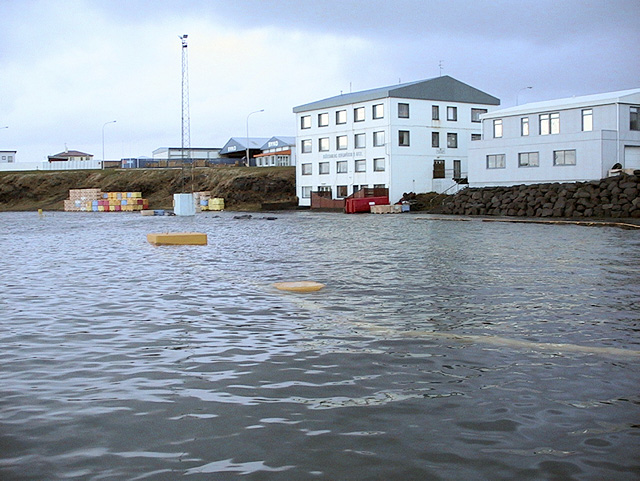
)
(342, 167)
(452, 113)
(476, 113)
(342, 191)
(379, 186)
(524, 126)
(378, 111)
(341, 142)
(361, 165)
(341, 117)
(587, 120)
(360, 141)
(378, 165)
(564, 157)
(476, 137)
(403, 111)
(305, 122)
(634, 118)
(306, 192)
(497, 128)
(435, 139)
(549, 123)
(403, 138)
(452, 140)
(307, 169)
(323, 119)
(528, 159)
(323, 144)
(435, 112)
(378, 138)
(306, 146)
(323, 167)
(496, 161)
(358, 114)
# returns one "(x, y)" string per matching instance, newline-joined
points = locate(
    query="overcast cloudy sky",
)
(69, 66)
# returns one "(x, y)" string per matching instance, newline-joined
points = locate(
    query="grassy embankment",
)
(242, 188)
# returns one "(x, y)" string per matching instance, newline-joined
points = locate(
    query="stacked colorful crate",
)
(97, 201)
(201, 200)
(80, 199)
(216, 203)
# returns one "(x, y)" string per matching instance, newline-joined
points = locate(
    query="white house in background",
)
(175, 153)
(70, 156)
(567, 140)
(277, 151)
(410, 137)
(8, 156)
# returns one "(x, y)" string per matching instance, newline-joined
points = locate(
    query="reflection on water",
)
(438, 350)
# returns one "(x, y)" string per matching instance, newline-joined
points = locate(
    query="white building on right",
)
(568, 140)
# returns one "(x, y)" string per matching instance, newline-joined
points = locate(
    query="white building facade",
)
(569, 140)
(7, 156)
(407, 138)
(277, 152)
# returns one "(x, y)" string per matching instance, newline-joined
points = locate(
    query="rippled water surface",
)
(437, 351)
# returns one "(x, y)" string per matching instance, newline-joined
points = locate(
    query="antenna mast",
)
(186, 128)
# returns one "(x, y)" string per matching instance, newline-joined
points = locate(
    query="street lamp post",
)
(518, 94)
(105, 124)
(247, 154)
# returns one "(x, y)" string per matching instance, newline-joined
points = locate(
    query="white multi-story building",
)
(410, 137)
(567, 140)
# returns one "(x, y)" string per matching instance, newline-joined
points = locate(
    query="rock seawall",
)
(613, 197)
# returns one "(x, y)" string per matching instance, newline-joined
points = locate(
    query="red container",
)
(364, 204)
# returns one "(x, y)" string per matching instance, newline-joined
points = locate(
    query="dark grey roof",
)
(277, 141)
(446, 89)
(239, 144)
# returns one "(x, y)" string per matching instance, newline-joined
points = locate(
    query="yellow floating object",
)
(178, 239)
(299, 286)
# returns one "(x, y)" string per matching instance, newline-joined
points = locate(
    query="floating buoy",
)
(178, 239)
(299, 286)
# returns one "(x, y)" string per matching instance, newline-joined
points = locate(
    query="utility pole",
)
(186, 128)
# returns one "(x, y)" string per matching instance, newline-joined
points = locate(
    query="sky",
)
(68, 67)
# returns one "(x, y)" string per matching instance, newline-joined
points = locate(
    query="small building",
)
(411, 137)
(236, 149)
(194, 153)
(8, 156)
(70, 156)
(568, 140)
(277, 152)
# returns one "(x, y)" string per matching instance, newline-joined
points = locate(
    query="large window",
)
(341, 142)
(549, 123)
(361, 165)
(305, 146)
(360, 141)
(403, 111)
(358, 114)
(378, 111)
(435, 112)
(497, 128)
(528, 159)
(564, 157)
(587, 120)
(403, 138)
(452, 113)
(524, 126)
(323, 144)
(476, 137)
(452, 140)
(476, 113)
(435, 139)
(342, 167)
(378, 165)
(305, 122)
(323, 119)
(378, 138)
(306, 192)
(323, 167)
(306, 169)
(634, 118)
(341, 117)
(342, 191)
(496, 161)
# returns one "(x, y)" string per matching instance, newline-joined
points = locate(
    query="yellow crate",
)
(178, 238)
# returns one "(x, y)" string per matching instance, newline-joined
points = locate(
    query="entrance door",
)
(438, 169)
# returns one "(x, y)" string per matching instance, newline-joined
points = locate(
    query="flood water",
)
(438, 350)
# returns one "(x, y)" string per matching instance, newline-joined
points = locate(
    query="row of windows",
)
(377, 112)
(359, 140)
(342, 166)
(8, 158)
(532, 159)
(342, 191)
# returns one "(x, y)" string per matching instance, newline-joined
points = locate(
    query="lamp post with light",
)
(257, 111)
(105, 124)
(518, 94)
